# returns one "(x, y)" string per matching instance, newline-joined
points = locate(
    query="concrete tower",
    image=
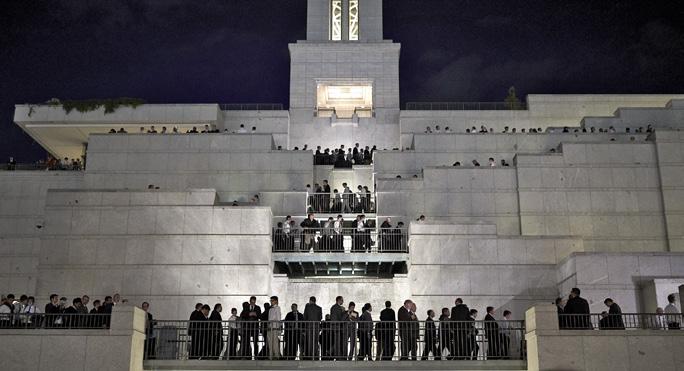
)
(344, 78)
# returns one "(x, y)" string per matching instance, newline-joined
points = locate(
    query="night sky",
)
(232, 51)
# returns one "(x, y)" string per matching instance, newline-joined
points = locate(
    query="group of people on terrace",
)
(507, 130)
(329, 235)
(574, 314)
(206, 129)
(340, 158)
(345, 334)
(52, 163)
(320, 199)
(57, 313)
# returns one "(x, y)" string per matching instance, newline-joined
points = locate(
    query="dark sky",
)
(211, 51)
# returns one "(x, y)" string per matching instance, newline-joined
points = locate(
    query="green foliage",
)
(512, 101)
(110, 105)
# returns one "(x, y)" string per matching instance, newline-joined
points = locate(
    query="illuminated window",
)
(336, 20)
(353, 19)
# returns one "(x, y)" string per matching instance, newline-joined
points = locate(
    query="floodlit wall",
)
(238, 166)
(470, 261)
(172, 249)
(22, 201)
(608, 193)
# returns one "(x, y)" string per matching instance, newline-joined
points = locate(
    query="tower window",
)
(336, 20)
(353, 19)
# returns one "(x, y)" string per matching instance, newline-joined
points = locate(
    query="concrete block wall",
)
(606, 193)
(472, 262)
(446, 149)
(471, 194)
(22, 201)
(237, 166)
(170, 249)
(670, 116)
(543, 111)
(670, 151)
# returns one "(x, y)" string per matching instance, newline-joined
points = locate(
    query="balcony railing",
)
(251, 107)
(465, 106)
(55, 321)
(342, 240)
(342, 203)
(623, 321)
(351, 340)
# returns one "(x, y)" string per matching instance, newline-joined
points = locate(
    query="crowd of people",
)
(341, 159)
(321, 200)
(573, 313)
(329, 235)
(207, 129)
(346, 334)
(71, 164)
(507, 130)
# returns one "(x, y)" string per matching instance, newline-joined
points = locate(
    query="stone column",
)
(130, 321)
(345, 20)
(541, 318)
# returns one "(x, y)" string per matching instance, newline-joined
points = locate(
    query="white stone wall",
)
(238, 166)
(276, 123)
(22, 201)
(171, 249)
(607, 193)
(670, 152)
(670, 116)
(472, 262)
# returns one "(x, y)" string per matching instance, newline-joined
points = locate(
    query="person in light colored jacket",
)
(274, 329)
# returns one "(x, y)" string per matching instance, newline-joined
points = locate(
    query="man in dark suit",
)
(336, 317)
(491, 328)
(445, 332)
(384, 333)
(430, 337)
(326, 196)
(615, 321)
(251, 318)
(405, 317)
(577, 311)
(460, 314)
(313, 314)
(194, 331)
(293, 333)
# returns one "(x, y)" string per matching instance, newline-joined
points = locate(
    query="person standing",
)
(445, 335)
(350, 317)
(336, 318)
(492, 333)
(313, 314)
(460, 316)
(232, 334)
(293, 333)
(251, 324)
(430, 336)
(673, 316)
(215, 332)
(384, 333)
(405, 317)
(274, 329)
(365, 333)
(577, 311)
(150, 336)
(615, 321)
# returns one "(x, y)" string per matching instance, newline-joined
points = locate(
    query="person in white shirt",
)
(492, 163)
(673, 317)
(512, 336)
(242, 129)
(232, 334)
(437, 129)
(274, 329)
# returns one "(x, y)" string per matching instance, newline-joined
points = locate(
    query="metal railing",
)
(341, 203)
(350, 240)
(41, 166)
(351, 340)
(251, 106)
(55, 321)
(465, 106)
(623, 321)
